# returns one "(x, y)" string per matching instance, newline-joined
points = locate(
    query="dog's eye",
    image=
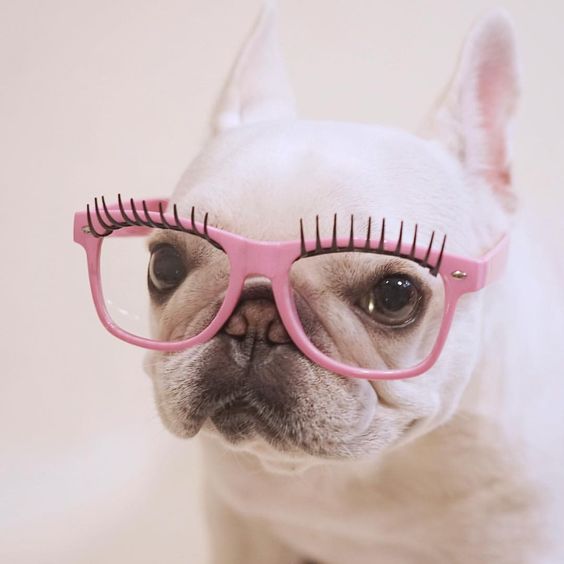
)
(394, 300)
(166, 268)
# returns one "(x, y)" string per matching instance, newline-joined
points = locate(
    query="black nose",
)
(256, 315)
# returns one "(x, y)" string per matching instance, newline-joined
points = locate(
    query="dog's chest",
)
(323, 524)
(434, 503)
(315, 519)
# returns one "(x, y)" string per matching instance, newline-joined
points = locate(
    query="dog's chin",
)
(277, 459)
(235, 421)
(240, 421)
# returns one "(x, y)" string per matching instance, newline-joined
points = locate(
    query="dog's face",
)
(258, 175)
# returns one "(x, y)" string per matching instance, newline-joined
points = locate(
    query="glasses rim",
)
(273, 260)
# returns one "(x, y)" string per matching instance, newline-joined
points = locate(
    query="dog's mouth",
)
(240, 394)
(239, 419)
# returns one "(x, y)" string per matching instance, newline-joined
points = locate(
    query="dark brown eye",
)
(394, 301)
(167, 268)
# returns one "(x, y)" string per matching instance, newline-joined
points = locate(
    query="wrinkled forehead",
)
(260, 180)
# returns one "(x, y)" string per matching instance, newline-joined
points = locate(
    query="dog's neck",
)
(508, 387)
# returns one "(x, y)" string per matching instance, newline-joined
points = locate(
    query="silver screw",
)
(459, 275)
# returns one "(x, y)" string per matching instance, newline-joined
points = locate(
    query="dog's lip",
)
(235, 420)
(233, 407)
(243, 418)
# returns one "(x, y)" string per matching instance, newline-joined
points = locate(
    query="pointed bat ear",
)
(257, 88)
(474, 117)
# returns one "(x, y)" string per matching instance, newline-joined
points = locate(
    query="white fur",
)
(479, 478)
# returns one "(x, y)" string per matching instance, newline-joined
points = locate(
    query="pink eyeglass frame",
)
(273, 260)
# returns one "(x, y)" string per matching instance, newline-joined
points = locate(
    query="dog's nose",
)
(256, 315)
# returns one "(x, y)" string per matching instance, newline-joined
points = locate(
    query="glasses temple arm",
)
(494, 262)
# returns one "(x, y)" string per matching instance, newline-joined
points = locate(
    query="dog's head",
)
(262, 170)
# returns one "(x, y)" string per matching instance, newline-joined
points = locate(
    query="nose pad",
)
(256, 315)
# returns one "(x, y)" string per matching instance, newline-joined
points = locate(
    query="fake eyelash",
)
(367, 247)
(110, 224)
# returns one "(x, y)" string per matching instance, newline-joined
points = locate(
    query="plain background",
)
(99, 97)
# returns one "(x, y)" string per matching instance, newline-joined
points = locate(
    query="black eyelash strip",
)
(141, 218)
(367, 246)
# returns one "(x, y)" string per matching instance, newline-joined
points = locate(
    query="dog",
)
(460, 465)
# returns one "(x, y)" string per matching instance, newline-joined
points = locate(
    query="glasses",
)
(365, 307)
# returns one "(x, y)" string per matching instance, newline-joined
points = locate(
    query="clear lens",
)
(368, 310)
(162, 284)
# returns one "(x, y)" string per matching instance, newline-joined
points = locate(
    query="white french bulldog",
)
(463, 464)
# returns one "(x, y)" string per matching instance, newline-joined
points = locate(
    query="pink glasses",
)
(365, 307)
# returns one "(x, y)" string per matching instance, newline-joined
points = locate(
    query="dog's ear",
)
(473, 118)
(257, 88)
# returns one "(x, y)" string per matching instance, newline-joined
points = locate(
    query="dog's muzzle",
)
(247, 385)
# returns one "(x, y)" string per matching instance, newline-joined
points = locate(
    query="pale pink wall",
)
(105, 96)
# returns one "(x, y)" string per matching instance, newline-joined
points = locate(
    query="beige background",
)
(103, 96)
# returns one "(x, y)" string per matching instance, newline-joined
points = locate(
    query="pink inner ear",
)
(495, 151)
(494, 110)
(495, 94)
